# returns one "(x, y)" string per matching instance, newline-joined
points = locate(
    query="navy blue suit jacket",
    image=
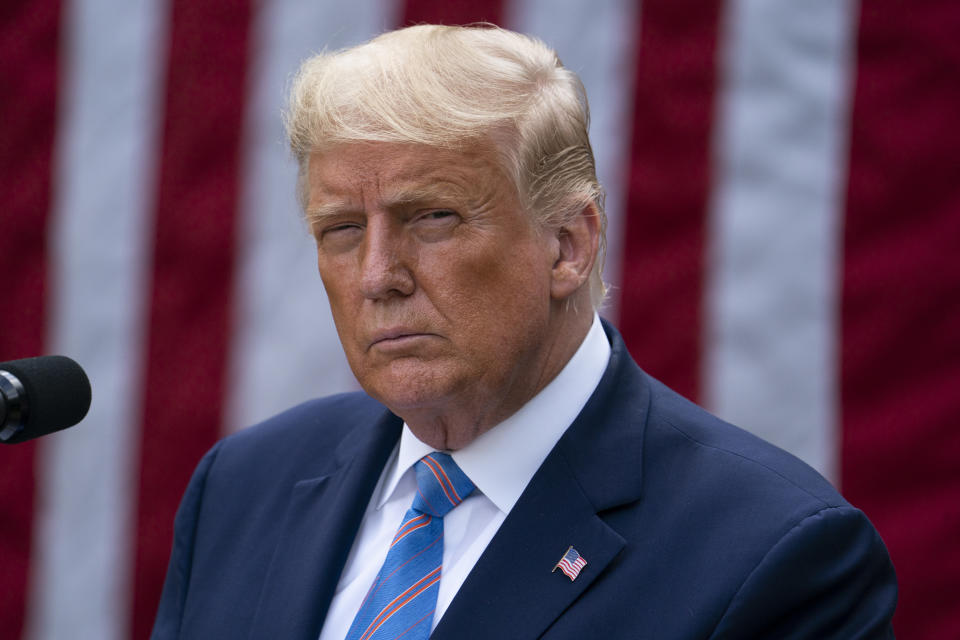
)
(691, 528)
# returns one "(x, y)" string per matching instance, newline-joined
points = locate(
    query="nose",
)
(383, 269)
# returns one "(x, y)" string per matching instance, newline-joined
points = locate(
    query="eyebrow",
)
(437, 190)
(325, 211)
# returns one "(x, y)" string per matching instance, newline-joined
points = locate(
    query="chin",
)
(409, 401)
(409, 389)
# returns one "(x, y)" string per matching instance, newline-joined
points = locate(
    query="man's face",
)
(438, 281)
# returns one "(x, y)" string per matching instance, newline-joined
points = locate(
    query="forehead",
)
(400, 172)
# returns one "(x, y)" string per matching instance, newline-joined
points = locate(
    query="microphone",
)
(41, 395)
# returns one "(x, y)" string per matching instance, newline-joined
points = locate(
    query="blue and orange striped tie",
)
(402, 599)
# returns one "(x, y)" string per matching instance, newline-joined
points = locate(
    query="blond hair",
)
(449, 86)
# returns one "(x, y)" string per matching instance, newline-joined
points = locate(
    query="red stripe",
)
(449, 482)
(452, 11)
(660, 311)
(409, 599)
(401, 601)
(29, 36)
(901, 303)
(192, 271)
(442, 480)
(429, 615)
(439, 538)
(410, 527)
(570, 570)
(380, 581)
(430, 507)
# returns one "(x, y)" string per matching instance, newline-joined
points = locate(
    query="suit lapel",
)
(512, 591)
(317, 533)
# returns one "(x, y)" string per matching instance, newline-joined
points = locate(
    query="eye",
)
(436, 215)
(436, 219)
(339, 228)
(339, 237)
(434, 225)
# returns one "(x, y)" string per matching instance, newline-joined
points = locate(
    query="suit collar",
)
(312, 551)
(609, 432)
(512, 591)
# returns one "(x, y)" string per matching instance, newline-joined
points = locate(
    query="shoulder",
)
(679, 430)
(302, 441)
(319, 421)
(239, 497)
(750, 535)
(759, 530)
(699, 470)
(683, 468)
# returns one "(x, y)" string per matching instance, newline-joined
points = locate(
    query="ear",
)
(579, 242)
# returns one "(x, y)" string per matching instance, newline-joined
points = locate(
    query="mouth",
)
(397, 338)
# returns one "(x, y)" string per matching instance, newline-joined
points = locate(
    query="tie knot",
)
(441, 485)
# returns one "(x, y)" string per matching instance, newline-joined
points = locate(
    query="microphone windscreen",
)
(57, 392)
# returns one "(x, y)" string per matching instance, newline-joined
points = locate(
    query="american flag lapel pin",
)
(571, 563)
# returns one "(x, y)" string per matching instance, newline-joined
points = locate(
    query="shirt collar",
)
(502, 461)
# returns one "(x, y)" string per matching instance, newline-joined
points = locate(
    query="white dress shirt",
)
(500, 462)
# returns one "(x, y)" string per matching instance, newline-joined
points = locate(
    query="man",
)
(447, 178)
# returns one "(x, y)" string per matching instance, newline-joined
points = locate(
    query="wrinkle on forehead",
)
(412, 174)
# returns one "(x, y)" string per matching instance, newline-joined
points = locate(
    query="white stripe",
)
(771, 321)
(285, 348)
(105, 155)
(597, 40)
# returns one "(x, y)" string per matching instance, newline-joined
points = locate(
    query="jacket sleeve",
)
(828, 577)
(174, 595)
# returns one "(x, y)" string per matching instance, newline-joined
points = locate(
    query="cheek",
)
(336, 280)
(334, 294)
(337, 272)
(517, 276)
(496, 299)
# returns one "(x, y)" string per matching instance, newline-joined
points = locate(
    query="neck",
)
(460, 420)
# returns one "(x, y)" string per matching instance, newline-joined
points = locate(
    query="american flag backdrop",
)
(783, 186)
